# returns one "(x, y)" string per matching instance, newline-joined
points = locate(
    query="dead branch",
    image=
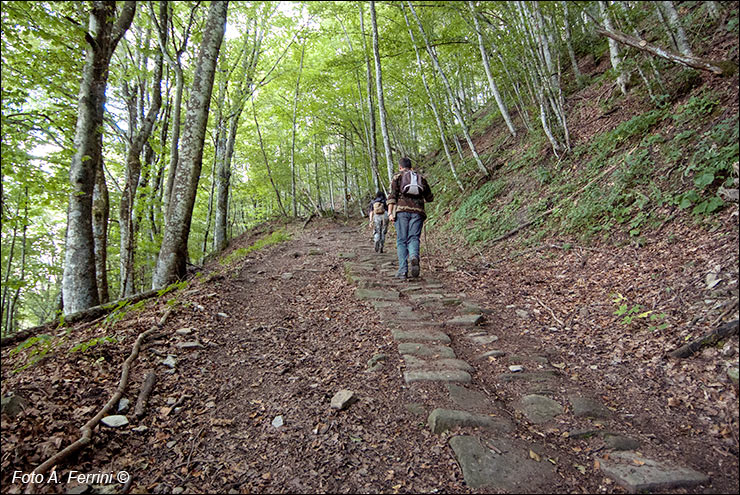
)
(84, 315)
(551, 312)
(87, 429)
(146, 391)
(723, 68)
(709, 339)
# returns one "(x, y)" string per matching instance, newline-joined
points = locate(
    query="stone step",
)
(426, 350)
(437, 376)
(507, 469)
(441, 420)
(416, 363)
(387, 295)
(465, 321)
(420, 336)
(638, 474)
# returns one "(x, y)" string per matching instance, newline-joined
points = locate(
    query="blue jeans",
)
(408, 232)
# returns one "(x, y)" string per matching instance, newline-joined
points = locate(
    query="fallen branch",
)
(308, 220)
(84, 315)
(711, 338)
(87, 429)
(551, 312)
(146, 391)
(723, 68)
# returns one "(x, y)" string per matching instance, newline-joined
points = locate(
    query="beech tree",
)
(106, 28)
(173, 254)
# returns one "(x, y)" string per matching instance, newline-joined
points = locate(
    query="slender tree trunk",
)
(101, 214)
(614, 55)
(267, 163)
(489, 75)
(209, 215)
(381, 96)
(133, 170)
(432, 103)
(292, 142)
(372, 141)
(568, 35)
(450, 93)
(79, 285)
(173, 253)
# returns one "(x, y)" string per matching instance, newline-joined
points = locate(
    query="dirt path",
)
(256, 351)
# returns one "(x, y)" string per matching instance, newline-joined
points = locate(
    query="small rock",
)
(728, 350)
(140, 429)
(12, 405)
(621, 442)
(170, 361)
(375, 359)
(222, 315)
(286, 276)
(171, 401)
(521, 313)
(184, 331)
(516, 368)
(115, 421)
(733, 374)
(178, 490)
(343, 399)
(494, 354)
(210, 404)
(171, 444)
(123, 405)
(190, 345)
(278, 422)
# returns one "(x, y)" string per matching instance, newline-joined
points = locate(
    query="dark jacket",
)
(411, 204)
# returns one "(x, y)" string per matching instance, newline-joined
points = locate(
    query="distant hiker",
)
(409, 192)
(379, 220)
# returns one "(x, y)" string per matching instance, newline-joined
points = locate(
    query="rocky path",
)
(429, 324)
(306, 367)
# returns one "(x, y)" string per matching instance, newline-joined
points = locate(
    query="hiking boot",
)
(414, 262)
(381, 247)
(377, 246)
(400, 275)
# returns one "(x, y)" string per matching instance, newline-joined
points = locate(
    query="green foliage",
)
(636, 313)
(697, 107)
(172, 287)
(270, 240)
(84, 346)
(35, 349)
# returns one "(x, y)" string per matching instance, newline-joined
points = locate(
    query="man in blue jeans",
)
(409, 192)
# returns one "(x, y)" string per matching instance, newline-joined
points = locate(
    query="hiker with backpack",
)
(409, 192)
(379, 220)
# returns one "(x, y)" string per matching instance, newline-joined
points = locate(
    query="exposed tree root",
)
(87, 429)
(146, 391)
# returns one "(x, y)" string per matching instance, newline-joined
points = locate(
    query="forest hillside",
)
(185, 246)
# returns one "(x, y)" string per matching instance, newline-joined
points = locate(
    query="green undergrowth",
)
(619, 186)
(275, 237)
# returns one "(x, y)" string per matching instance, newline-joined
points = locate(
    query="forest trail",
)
(256, 350)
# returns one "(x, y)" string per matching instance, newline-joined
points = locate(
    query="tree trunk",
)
(455, 105)
(432, 103)
(568, 35)
(489, 75)
(372, 141)
(79, 285)
(133, 168)
(174, 250)
(267, 164)
(381, 97)
(101, 214)
(614, 55)
(292, 142)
